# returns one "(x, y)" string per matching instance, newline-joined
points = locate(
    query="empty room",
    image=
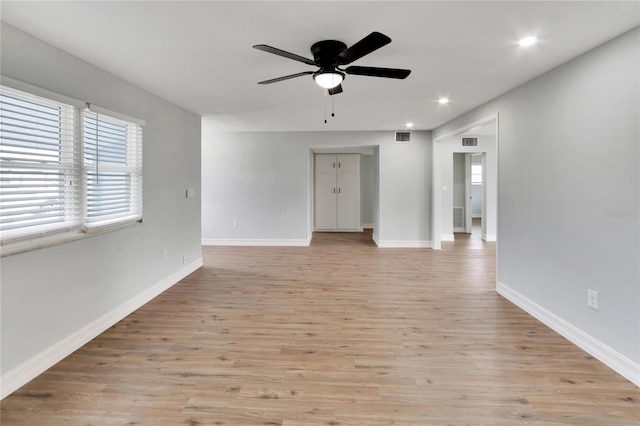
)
(305, 213)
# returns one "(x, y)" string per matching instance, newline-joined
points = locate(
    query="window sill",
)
(11, 248)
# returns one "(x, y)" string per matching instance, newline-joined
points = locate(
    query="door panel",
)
(325, 163)
(348, 201)
(348, 163)
(325, 201)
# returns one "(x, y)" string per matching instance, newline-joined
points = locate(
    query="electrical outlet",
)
(592, 299)
(165, 254)
(235, 224)
(184, 260)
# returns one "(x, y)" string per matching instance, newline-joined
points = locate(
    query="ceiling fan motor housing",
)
(325, 53)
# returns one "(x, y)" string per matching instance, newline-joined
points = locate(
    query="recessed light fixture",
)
(409, 124)
(528, 41)
(443, 101)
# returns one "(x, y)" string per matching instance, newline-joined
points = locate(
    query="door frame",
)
(436, 217)
(341, 149)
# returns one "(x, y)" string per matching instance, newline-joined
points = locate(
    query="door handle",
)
(334, 190)
(339, 190)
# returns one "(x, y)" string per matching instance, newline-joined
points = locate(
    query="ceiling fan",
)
(330, 55)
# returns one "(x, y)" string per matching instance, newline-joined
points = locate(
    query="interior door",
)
(348, 183)
(325, 191)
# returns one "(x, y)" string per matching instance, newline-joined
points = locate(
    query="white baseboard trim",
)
(459, 230)
(30, 369)
(476, 215)
(404, 244)
(256, 242)
(367, 226)
(624, 366)
(374, 237)
(447, 237)
(488, 237)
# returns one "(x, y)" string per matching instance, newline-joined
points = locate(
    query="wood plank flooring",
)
(338, 333)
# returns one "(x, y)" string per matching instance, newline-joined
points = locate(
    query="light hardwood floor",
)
(338, 333)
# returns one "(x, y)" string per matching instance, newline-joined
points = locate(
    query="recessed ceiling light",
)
(528, 41)
(443, 101)
(409, 124)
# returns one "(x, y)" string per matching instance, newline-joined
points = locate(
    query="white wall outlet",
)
(165, 254)
(189, 192)
(235, 223)
(592, 299)
(184, 260)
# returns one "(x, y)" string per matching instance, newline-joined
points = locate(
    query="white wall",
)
(261, 180)
(366, 189)
(569, 185)
(458, 179)
(452, 145)
(51, 293)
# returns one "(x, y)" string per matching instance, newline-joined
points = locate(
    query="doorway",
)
(478, 139)
(475, 194)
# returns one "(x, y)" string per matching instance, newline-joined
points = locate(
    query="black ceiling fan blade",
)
(378, 72)
(335, 90)
(370, 43)
(286, 77)
(284, 54)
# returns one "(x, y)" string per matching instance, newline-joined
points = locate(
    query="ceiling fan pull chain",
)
(333, 106)
(325, 107)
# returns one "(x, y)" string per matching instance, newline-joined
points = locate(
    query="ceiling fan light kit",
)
(328, 79)
(330, 55)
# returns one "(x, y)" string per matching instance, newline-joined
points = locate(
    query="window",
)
(476, 174)
(112, 169)
(65, 169)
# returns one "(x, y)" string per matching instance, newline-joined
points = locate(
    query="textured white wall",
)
(50, 293)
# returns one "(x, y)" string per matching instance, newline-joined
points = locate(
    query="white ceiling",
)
(198, 54)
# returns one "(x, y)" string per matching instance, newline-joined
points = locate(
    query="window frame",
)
(46, 235)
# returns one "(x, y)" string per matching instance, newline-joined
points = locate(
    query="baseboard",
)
(367, 226)
(30, 369)
(404, 244)
(624, 366)
(476, 215)
(459, 229)
(374, 237)
(447, 237)
(255, 242)
(488, 237)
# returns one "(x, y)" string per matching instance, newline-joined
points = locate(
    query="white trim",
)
(476, 215)
(375, 239)
(447, 237)
(404, 244)
(624, 366)
(489, 237)
(367, 226)
(30, 369)
(460, 229)
(255, 242)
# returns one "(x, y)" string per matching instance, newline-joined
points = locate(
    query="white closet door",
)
(325, 163)
(348, 163)
(348, 201)
(325, 192)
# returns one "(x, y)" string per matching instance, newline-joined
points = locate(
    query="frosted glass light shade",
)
(328, 80)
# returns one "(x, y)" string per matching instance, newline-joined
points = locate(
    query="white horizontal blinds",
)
(39, 189)
(112, 169)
